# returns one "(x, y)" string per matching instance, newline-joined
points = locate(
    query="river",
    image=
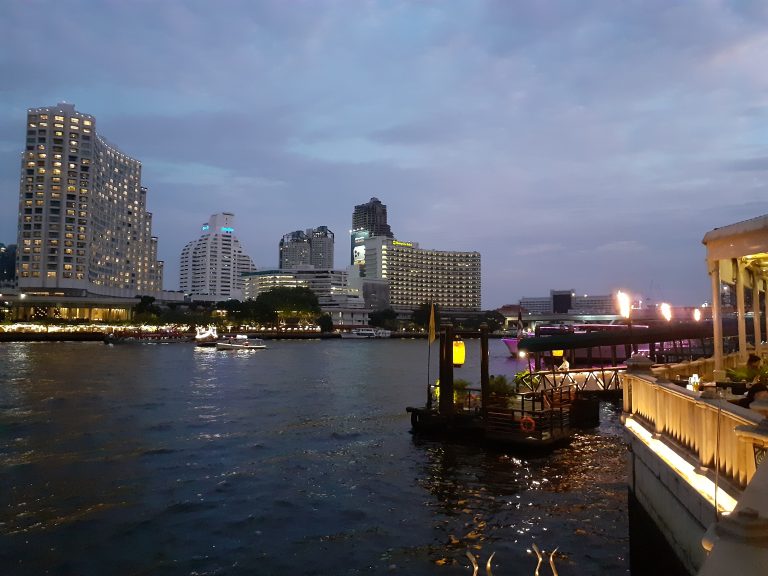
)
(177, 460)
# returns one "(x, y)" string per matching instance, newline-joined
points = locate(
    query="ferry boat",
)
(366, 333)
(241, 342)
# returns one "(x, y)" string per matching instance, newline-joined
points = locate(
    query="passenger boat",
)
(366, 333)
(241, 342)
(206, 336)
(139, 337)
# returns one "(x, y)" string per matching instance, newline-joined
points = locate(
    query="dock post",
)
(445, 404)
(485, 392)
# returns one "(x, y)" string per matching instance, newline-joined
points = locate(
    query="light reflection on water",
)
(171, 459)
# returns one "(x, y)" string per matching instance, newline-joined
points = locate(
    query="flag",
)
(432, 336)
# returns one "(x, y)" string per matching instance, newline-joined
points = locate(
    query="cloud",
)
(608, 136)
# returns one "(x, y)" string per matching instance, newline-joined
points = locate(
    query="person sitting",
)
(565, 366)
(754, 392)
(748, 373)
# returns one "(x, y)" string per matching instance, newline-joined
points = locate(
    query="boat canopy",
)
(685, 331)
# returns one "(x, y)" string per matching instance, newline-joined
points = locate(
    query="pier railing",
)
(583, 379)
(710, 430)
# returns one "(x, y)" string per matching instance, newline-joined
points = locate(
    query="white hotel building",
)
(417, 276)
(212, 266)
(84, 228)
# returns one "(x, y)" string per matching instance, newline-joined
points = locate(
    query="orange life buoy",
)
(527, 424)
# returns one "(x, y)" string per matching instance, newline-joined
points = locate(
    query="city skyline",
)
(585, 146)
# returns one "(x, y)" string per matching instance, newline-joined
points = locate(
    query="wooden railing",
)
(704, 428)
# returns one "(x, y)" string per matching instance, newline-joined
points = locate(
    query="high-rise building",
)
(368, 220)
(294, 250)
(417, 276)
(84, 227)
(321, 246)
(314, 247)
(212, 266)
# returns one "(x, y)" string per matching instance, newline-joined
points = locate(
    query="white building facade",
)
(417, 276)
(84, 228)
(212, 267)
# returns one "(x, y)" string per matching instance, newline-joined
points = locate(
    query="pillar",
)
(756, 311)
(741, 310)
(717, 320)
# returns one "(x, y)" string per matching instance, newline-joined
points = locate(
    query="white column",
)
(717, 321)
(741, 310)
(756, 311)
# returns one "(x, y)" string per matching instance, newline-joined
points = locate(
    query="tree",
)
(386, 318)
(295, 303)
(325, 322)
(420, 316)
(146, 309)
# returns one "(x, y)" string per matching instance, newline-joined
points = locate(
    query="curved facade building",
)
(84, 227)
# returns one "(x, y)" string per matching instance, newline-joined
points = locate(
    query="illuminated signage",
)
(205, 227)
(226, 229)
(398, 243)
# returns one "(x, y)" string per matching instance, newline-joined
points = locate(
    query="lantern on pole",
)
(459, 353)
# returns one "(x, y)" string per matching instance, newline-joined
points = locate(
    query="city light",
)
(697, 315)
(666, 311)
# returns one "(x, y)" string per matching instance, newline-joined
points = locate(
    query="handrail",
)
(705, 428)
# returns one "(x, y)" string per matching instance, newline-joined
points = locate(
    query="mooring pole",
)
(446, 370)
(485, 381)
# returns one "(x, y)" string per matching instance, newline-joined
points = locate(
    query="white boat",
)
(241, 342)
(366, 333)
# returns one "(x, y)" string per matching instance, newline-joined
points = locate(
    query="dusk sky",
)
(584, 145)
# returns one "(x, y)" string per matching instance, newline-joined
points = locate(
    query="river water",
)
(177, 460)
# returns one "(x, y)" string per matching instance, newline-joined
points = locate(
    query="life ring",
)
(527, 424)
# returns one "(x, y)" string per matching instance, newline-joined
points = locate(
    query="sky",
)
(582, 144)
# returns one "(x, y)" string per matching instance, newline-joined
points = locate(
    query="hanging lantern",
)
(459, 353)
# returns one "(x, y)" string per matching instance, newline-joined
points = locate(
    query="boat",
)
(366, 333)
(240, 342)
(139, 337)
(206, 336)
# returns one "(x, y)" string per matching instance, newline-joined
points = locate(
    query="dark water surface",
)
(176, 460)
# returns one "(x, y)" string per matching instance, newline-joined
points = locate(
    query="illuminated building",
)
(330, 286)
(84, 228)
(311, 248)
(294, 250)
(416, 276)
(321, 246)
(212, 266)
(369, 220)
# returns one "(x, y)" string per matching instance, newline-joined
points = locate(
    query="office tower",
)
(321, 245)
(212, 266)
(294, 250)
(417, 276)
(368, 220)
(83, 221)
